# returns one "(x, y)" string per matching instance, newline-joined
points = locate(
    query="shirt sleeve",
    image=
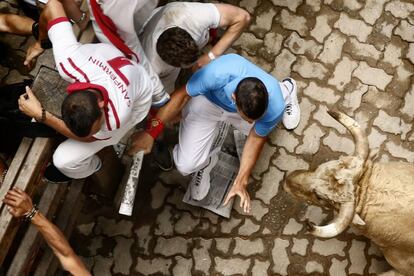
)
(264, 126)
(210, 78)
(212, 14)
(63, 39)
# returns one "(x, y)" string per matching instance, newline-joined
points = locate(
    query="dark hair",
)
(176, 47)
(252, 97)
(80, 110)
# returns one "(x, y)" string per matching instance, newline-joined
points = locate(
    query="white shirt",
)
(195, 18)
(124, 84)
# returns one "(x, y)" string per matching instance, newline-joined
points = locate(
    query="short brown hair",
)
(80, 110)
(177, 48)
(252, 97)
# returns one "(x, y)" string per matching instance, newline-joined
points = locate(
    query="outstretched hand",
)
(30, 105)
(202, 60)
(239, 188)
(32, 53)
(18, 202)
(141, 141)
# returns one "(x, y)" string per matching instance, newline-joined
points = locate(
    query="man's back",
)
(124, 83)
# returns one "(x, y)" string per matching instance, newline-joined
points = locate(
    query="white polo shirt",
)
(125, 85)
(195, 18)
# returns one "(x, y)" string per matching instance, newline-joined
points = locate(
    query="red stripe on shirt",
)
(118, 124)
(78, 69)
(103, 139)
(55, 21)
(67, 73)
(109, 30)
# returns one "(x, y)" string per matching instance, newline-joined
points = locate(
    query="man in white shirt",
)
(176, 33)
(114, 22)
(109, 94)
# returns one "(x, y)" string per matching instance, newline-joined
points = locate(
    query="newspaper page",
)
(240, 141)
(131, 178)
(221, 177)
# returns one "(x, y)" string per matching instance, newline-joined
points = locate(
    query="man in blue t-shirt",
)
(229, 89)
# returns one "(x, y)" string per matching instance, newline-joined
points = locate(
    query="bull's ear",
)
(357, 220)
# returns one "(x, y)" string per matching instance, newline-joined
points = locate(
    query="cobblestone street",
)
(356, 56)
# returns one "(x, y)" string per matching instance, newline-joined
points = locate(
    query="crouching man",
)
(108, 96)
(229, 89)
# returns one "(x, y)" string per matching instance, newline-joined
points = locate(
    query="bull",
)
(376, 198)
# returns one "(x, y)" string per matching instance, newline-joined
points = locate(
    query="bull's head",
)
(333, 183)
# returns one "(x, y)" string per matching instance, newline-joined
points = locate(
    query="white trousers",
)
(78, 159)
(198, 128)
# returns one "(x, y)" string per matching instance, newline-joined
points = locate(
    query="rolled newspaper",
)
(127, 203)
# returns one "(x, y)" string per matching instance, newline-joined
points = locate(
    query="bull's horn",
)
(338, 225)
(360, 138)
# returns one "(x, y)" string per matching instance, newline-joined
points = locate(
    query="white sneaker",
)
(291, 116)
(200, 184)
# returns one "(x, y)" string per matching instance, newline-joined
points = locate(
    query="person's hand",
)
(239, 189)
(18, 202)
(32, 53)
(84, 23)
(30, 105)
(203, 60)
(141, 141)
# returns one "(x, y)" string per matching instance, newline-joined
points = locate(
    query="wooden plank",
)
(29, 245)
(35, 160)
(14, 168)
(50, 89)
(72, 205)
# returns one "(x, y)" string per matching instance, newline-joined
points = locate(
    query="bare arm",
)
(177, 102)
(52, 10)
(32, 108)
(20, 204)
(251, 153)
(21, 25)
(74, 12)
(236, 20)
(60, 246)
(16, 24)
(60, 126)
(144, 141)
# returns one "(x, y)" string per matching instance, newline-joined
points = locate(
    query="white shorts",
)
(198, 128)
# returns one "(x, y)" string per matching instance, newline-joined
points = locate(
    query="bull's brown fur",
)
(387, 207)
(383, 194)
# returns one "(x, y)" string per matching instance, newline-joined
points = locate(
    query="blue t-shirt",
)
(218, 80)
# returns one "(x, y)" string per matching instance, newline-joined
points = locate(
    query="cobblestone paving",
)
(357, 56)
